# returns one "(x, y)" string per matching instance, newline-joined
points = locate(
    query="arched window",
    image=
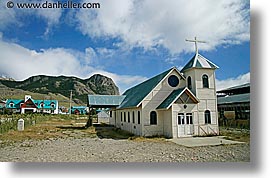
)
(207, 117)
(138, 117)
(189, 83)
(153, 118)
(205, 82)
(133, 116)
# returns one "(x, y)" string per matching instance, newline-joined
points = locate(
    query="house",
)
(234, 105)
(2, 106)
(174, 103)
(28, 105)
(103, 117)
(79, 110)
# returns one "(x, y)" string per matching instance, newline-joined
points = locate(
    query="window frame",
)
(153, 118)
(207, 116)
(189, 82)
(205, 81)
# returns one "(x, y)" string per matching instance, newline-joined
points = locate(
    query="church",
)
(175, 103)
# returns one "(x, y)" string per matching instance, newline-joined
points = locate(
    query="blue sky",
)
(129, 41)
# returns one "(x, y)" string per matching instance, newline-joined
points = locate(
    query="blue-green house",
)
(79, 110)
(29, 105)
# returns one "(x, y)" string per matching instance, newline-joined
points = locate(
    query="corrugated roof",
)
(234, 99)
(246, 85)
(199, 61)
(136, 94)
(105, 100)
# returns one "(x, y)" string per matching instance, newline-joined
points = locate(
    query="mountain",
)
(96, 84)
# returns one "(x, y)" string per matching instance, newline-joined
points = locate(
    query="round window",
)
(173, 81)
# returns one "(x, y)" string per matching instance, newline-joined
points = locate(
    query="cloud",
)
(20, 63)
(230, 82)
(149, 24)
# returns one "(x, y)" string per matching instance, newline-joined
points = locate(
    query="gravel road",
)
(121, 150)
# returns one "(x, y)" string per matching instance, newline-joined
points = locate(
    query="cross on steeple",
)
(196, 44)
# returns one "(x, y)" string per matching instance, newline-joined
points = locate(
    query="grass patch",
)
(241, 135)
(112, 132)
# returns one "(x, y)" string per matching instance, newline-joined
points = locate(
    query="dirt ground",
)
(60, 140)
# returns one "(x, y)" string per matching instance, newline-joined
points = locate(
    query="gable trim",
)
(174, 68)
(188, 92)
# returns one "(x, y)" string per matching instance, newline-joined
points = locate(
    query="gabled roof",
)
(166, 104)
(47, 103)
(135, 95)
(199, 61)
(15, 102)
(105, 100)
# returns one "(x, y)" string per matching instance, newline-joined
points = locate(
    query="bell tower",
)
(200, 79)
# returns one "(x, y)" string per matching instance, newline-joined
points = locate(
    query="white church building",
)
(175, 103)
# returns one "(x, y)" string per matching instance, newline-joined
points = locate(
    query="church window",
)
(133, 116)
(173, 81)
(205, 81)
(121, 116)
(128, 117)
(207, 117)
(189, 83)
(138, 117)
(153, 118)
(180, 118)
(189, 118)
(124, 116)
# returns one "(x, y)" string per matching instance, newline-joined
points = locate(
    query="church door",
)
(185, 124)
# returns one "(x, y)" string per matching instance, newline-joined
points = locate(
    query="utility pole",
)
(71, 102)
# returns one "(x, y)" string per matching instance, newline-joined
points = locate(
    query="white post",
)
(20, 125)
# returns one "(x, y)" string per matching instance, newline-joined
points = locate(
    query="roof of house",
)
(199, 61)
(15, 102)
(239, 89)
(240, 98)
(47, 103)
(105, 100)
(79, 107)
(137, 93)
(174, 96)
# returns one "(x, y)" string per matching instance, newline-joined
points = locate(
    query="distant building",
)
(79, 110)
(234, 103)
(29, 105)
(2, 106)
(103, 116)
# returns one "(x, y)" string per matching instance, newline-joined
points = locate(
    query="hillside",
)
(51, 86)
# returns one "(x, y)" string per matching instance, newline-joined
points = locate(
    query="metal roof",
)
(244, 88)
(136, 94)
(199, 61)
(47, 103)
(240, 98)
(105, 100)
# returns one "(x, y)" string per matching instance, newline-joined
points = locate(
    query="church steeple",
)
(196, 44)
(198, 61)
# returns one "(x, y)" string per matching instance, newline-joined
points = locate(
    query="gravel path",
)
(110, 150)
